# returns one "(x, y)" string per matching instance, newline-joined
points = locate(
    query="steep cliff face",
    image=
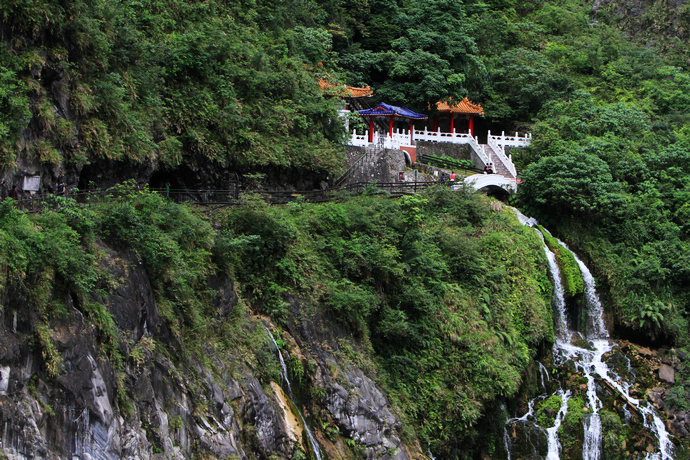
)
(659, 23)
(167, 402)
(134, 327)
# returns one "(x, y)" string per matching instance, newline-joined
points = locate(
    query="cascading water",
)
(552, 433)
(563, 333)
(543, 372)
(316, 449)
(596, 329)
(590, 363)
(524, 421)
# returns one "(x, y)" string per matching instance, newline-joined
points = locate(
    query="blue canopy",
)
(385, 110)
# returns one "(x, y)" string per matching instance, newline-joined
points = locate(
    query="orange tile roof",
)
(344, 91)
(464, 106)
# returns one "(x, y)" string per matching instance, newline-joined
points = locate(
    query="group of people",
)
(488, 169)
(451, 178)
(60, 190)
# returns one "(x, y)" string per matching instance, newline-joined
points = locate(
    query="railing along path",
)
(36, 202)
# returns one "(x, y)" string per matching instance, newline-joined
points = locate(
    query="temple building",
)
(345, 92)
(390, 113)
(464, 109)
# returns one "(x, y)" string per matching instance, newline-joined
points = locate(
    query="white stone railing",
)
(402, 138)
(513, 141)
(359, 140)
(387, 142)
(454, 138)
(499, 151)
(438, 136)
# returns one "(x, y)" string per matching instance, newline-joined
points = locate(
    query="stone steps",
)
(499, 168)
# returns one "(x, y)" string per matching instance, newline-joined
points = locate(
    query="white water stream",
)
(552, 433)
(588, 361)
(284, 377)
(543, 372)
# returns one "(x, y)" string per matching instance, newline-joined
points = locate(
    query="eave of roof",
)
(465, 106)
(344, 91)
(387, 110)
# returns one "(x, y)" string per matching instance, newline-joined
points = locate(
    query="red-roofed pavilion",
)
(464, 108)
(344, 91)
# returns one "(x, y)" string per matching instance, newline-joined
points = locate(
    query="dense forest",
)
(154, 85)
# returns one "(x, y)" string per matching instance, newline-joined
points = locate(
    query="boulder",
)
(656, 395)
(646, 352)
(667, 373)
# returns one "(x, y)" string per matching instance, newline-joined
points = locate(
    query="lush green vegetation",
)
(448, 300)
(436, 286)
(154, 80)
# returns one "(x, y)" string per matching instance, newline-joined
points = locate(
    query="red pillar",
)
(435, 123)
(371, 130)
(452, 123)
(411, 132)
(471, 124)
(390, 127)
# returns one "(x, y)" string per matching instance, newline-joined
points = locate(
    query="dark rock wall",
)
(380, 165)
(162, 402)
(658, 23)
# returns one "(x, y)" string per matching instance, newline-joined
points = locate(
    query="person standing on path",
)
(452, 178)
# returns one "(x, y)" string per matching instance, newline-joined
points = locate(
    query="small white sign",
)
(32, 183)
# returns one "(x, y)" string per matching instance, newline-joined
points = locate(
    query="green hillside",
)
(152, 89)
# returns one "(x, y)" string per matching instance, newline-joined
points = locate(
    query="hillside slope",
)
(133, 329)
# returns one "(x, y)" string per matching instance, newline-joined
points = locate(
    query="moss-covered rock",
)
(571, 276)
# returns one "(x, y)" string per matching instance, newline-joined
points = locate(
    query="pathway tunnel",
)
(496, 192)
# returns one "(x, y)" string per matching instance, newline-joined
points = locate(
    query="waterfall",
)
(284, 378)
(563, 333)
(431, 456)
(525, 421)
(595, 311)
(592, 443)
(627, 413)
(591, 364)
(552, 433)
(506, 441)
(657, 426)
(542, 372)
(283, 368)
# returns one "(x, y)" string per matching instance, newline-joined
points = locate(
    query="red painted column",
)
(390, 127)
(452, 123)
(411, 132)
(371, 130)
(435, 123)
(471, 124)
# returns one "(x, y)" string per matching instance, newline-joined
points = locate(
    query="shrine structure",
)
(463, 109)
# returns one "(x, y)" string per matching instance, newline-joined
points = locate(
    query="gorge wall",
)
(163, 403)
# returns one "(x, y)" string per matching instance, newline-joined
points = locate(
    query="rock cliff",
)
(167, 401)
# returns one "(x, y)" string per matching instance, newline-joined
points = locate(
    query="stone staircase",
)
(502, 164)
